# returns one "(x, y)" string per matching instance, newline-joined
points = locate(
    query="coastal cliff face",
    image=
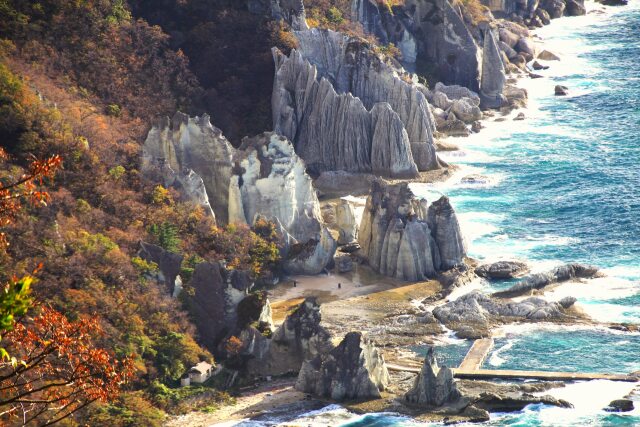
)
(346, 108)
(190, 153)
(426, 30)
(355, 369)
(402, 237)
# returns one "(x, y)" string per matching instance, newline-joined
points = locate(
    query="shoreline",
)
(374, 295)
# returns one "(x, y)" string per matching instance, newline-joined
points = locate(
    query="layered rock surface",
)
(355, 369)
(346, 108)
(403, 237)
(190, 153)
(559, 274)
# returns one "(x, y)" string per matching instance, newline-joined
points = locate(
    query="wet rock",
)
(495, 397)
(355, 369)
(535, 76)
(555, 8)
(519, 117)
(561, 90)
(434, 386)
(476, 126)
(575, 8)
(540, 280)
(475, 179)
(545, 55)
(544, 16)
(620, 405)
(538, 66)
(401, 236)
(456, 128)
(525, 45)
(502, 270)
(614, 2)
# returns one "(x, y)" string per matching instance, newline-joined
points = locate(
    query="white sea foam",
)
(496, 359)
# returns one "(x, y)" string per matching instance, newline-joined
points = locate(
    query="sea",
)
(560, 186)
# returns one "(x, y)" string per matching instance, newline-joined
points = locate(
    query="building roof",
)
(201, 367)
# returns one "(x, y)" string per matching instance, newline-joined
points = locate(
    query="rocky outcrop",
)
(299, 338)
(269, 180)
(434, 386)
(493, 74)
(403, 237)
(346, 222)
(428, 31)
(215, 301)
(353, 370)
(312, 256)
(445, 229)
(347, 108)
(502, 270)
(191, 154)
(540, 280)
(620, 405)
(168, 264)
(477, 311)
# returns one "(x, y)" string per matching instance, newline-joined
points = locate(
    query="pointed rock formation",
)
(299, 338)
(434, 386)
(355, 369)
(346, 222)
(176, 150)
(404, 238)
(334, 97)
(445, 229)
(493, 74)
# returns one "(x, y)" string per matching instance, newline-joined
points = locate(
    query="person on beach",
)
(339, 285)
(295, 283)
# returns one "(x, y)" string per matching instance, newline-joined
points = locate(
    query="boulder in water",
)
(502, 270)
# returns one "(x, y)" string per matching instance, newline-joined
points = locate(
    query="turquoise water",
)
(564, 186)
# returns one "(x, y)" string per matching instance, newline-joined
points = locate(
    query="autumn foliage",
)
(59, 371)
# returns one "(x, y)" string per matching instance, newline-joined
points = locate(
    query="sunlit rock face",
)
(347, 108)
(434, 386)
(269, 180)
(493, 74)
(403, 237)
(191, 154)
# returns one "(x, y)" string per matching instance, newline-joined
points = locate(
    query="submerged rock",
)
(474, 312)
(355, 369)
(403, 237)
(620, 405)
(434, 386)
(502, 270)
(561, 90)
(541, 280)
